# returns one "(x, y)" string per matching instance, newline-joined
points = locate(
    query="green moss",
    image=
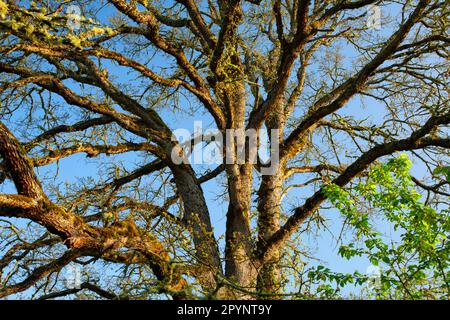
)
(97, 31)
(74, 40)
(29, 29)
(3, 9)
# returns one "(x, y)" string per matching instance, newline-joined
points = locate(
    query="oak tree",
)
(344, 84)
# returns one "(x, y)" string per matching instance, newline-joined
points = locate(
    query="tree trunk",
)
(196, 216)
(239, 245)
(269, 209)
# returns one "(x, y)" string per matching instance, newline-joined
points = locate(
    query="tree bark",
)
(239, 268)
(269, 210)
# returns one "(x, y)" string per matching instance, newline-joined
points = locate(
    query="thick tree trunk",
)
(269, 209)
(269, 212)
(197, 218)
(239, 245)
